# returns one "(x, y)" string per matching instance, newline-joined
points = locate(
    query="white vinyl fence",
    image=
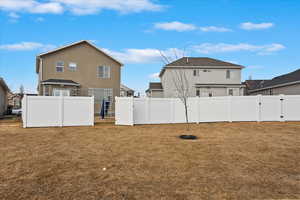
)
(45, 111)
(130, 111)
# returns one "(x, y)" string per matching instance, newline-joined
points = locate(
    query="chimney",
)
(187, 60)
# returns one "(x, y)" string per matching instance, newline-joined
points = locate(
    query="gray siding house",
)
(288, 84)
(206, 77)
(3, 96)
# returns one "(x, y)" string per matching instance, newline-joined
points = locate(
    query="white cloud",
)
(209, 48)
(154, 76)
(31, 6)
(82, 7)
(13, 15)
(145, 55)
(78, 7)
(214, 29)
(180, 27)
(40, 19)
(253, 26)
(175, 26)
(26, 46)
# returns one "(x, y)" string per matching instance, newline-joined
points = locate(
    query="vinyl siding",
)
(215, 76)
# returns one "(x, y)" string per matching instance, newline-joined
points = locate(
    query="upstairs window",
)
(103, 72)
(196, 72)
(72, 67)
(228, 74)
(59, 66)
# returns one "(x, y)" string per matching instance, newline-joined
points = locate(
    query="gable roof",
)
(155, 86)
(201, 61)
(73, 44)
(190, 62)
(254, 84)
(284, 79)
(124, 87)
(3, 84)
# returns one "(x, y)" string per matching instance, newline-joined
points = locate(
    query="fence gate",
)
(44, 111)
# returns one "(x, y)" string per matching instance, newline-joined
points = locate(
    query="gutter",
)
(58, 83)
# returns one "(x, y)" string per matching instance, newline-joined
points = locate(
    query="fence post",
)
(281, 97)
(259, 98)
(148, 109)
(62, 110)
(229, 108)
(24, 111)
(172, 120)
(93, 110)
(132, 110)
(198, 109)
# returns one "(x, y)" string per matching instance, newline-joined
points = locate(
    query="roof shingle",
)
(201, 61)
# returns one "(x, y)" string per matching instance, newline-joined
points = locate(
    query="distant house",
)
(155, 90)
(3, 96)
(79, 69)
(126, 91)
(288, 84)
(14, 100)
(206, 77)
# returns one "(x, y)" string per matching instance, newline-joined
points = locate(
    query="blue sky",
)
(262, 35)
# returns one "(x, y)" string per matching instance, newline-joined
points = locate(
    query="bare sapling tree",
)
(180, 82)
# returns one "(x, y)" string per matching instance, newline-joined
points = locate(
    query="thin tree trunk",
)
(186, 116)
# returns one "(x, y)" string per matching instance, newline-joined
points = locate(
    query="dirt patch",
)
(231, 161)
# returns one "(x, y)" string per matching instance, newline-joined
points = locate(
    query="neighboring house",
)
(126, 91)
(15, 99)
(155, 90)
(288, 84)
(206, 77)
(79, 69)
(4, 90)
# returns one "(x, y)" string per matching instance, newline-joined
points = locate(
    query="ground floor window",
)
(230, 92)
(61, 92)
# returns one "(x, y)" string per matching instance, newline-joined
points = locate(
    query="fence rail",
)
(45, 111)
(130, 111)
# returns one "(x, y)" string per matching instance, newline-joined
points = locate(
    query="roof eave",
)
(274, 86)
(75, 43)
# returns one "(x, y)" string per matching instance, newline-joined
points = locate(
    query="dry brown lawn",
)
(229, 161)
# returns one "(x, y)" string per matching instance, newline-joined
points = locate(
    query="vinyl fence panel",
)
(47, 111)
(78, 111)
(207, 109)
(244, 108)
(124, 110)
(270, 108)
(291, 108)
(214, 109)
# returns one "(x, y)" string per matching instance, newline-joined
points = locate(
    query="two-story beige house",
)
(79, 69)
(206, 77)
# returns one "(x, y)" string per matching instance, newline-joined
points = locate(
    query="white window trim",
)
(105, 72)
(63, 66)
(73, 68)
